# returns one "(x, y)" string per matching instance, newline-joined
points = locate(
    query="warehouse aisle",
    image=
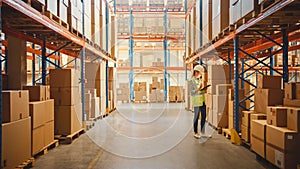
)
(148, 136)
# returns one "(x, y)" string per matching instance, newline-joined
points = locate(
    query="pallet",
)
(27, 164)
(246, 144)
(45, 150)
(177, 101)
(70, 138)
(226, 133)
(36, 5)
(267, 4)
(75, 32)
(140, 101)
(56, 19)
(89, 124)
(243, 20)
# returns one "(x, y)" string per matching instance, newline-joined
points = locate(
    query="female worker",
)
(198, 99)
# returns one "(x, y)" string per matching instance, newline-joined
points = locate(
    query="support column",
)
(243, 74)
(131, 73)
(1, 85)
(107, 71)
(236, 84)
(82, 68)
(44, 62)
(33, 66)
(285, 55)
(165, 55)
(201, 23)
(230, 66)
(17, 63)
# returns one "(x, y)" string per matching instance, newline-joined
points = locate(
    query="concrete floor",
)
(148, 136)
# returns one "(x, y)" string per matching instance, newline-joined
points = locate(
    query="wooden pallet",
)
(245, 19)
(56, 19)
(89, 124)
(45, 150)
(75, 32)
(267, 4)
(226, 133)
(69, 138)
(175, 101)
(36, 5)
(27, 164)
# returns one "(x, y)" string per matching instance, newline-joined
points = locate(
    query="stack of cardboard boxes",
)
(292, 94)
(41, 110)
(65, 90)
(176, 94)
(16, 128)
(156, 90)
(140, 91)
(158, 63)
(277, 138)
(217, 94)
(123, 92)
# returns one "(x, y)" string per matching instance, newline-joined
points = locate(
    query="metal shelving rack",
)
(253, 40)
(18, 19)
(164, 11)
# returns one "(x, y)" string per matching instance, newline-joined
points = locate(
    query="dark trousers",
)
(197, 111)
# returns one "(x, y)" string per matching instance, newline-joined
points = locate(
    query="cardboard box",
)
(36, 93)
(283, 138)
(15, 105)
(64, 78)
(245, 133)
(95, 107)
(47, 92)
(154, 79)
(258, 146)
(269, 82)
(277, 116)
(37, 139)
(48, 133)
(293, 119)
(16, 143)
(290, 91)
(267, 97)
(66, 96)
(68, 119)
(246, 116)
(37, 111)
(258, 129)
(291, 103)
(49, 110)
(256, 116)
(282, 159)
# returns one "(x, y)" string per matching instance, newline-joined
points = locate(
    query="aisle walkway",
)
(148, 136)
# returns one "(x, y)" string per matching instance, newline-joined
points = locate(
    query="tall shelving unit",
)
(165, 11)
(20, 20)
(255, 40)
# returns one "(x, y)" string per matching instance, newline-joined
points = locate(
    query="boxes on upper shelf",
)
(15, 105)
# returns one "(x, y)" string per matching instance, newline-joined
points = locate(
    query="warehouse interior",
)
(111, 84)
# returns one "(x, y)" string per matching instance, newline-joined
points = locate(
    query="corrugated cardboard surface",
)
(49, 113)
(15, 105)
(48, 133)
(267, 97)
(282, 138)
(36, 93)
(258, 146)
(246, 118)
(37, 113)
(68, 119)
(66, 96)
(16, 142)
(277, 116)
(293, 119)
(37, 139)
(269, 82)
(67, 78)
(245, 133)
(258, 129)
(292, 103)
(282, 159)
